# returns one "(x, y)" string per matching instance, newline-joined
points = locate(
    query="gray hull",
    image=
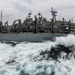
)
(29, 37)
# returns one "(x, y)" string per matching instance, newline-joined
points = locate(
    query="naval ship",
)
(37, 30)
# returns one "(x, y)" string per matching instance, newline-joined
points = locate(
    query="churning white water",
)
(46, 58)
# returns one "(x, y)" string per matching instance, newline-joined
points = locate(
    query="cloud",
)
(15, 9)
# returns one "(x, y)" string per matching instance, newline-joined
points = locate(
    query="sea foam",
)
(45, 58)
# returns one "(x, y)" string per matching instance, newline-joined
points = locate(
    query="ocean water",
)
(45, 58)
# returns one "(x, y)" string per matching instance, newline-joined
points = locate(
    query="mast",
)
(39, 17)
(1, 22)
(1, 16)
(29, 14)
(69, 26)
(39, 14)
(53, 20)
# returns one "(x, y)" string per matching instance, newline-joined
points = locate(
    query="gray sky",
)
(15, 9)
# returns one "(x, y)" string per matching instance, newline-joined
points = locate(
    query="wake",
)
(46, 58)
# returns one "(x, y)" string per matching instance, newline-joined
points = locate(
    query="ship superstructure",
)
(38, 25)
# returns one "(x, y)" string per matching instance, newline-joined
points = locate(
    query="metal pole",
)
(69, 26)
(1, 16)
(35, 24)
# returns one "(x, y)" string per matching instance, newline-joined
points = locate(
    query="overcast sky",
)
(15, 9)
